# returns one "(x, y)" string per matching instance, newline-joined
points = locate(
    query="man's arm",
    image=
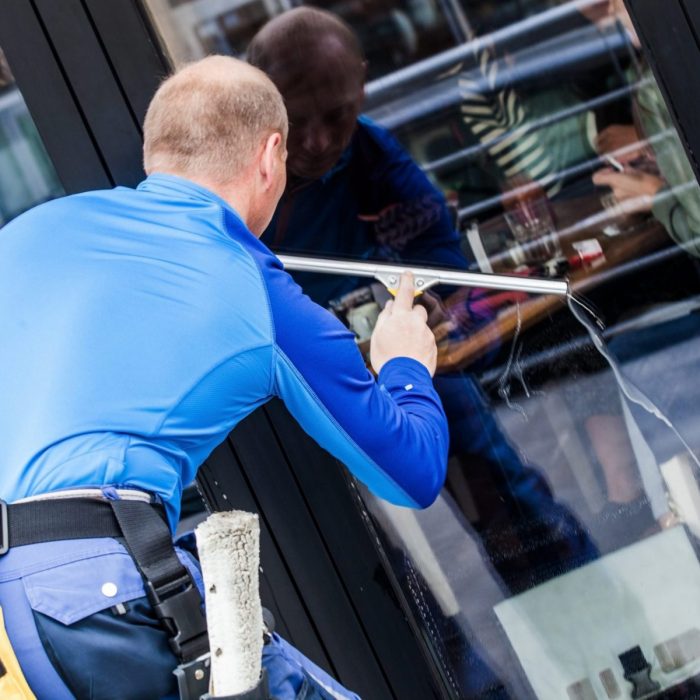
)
(391, 433)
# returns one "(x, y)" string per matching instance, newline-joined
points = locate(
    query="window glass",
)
(527, 138)
(26, 174)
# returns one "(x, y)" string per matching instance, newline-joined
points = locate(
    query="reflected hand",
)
(616, 138)
(402, 331)
(633, 189)
(439, 320)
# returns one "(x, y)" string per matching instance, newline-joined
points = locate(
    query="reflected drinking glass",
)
(529, 218)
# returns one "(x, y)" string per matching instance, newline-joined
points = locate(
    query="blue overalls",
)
(77, 611)
(139, 327)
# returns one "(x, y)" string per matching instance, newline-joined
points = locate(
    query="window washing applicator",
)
(229, 551)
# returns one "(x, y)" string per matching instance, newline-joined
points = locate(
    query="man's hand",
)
(620, 140)
(402, 331)
(633, 189)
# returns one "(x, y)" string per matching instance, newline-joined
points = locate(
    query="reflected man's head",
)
(220, 121)
(316, 62)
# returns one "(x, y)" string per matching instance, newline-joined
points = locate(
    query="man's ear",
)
(271, 160)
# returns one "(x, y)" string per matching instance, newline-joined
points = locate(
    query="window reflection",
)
(26, 174)
(525, 137)
(393, 33)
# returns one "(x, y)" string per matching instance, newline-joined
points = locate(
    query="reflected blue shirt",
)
(374, 204)
(140, 326)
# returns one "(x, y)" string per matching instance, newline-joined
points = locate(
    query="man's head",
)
(221, 123)
(316, 62)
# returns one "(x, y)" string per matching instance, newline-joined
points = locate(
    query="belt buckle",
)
(5, 534)
(181, 614)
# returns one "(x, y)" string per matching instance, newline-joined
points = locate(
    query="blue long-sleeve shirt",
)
(374, 204)
(140, 326)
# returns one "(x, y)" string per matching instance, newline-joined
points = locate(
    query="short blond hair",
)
(209, 118)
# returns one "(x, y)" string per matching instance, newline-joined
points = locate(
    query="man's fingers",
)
(603, 176)
(405, 294)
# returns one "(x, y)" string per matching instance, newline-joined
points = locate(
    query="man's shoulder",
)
(56, 210)
(371, 133)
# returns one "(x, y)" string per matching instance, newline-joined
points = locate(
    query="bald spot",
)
(228, 71)
(209, 118)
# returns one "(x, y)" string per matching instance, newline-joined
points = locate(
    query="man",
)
(353, 191)
(139, 327)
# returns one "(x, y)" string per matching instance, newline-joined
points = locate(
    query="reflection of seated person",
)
(524, 136)
(539, 125)
(354, 192)
(656, 355)
(671, 193)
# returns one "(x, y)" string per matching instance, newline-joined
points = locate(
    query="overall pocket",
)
(99, 631)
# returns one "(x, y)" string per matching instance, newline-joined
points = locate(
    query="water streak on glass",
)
(631, 392)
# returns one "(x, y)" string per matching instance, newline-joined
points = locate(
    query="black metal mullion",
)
(265, 465)
(132, 49)
(68, 140)
(670, 45)
(363, 569)
(225, 487)
(93, 82)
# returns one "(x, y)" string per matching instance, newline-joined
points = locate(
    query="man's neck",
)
(234, 193)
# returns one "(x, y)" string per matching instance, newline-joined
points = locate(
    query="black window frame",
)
(87, 69)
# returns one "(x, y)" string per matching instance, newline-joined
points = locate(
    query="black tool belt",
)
(146, 535)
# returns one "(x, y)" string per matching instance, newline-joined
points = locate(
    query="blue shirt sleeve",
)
(391, 434)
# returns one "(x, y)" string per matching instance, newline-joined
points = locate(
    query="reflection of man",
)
(139, 327)
(354, 192)
(352, 189)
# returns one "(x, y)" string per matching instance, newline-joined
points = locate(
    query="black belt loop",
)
(5, 534)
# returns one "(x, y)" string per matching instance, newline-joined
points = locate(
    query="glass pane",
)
(26, 174)
(560, 561)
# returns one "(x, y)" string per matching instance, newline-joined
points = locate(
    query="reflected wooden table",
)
(576, 220)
